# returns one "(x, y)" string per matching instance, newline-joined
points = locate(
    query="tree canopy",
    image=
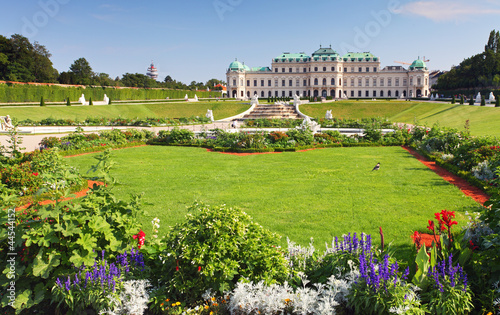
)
(479, 71)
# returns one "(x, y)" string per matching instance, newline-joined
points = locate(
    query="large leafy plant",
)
(215, 248)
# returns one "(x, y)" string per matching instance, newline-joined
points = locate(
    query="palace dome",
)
(418, 65)
(237, 66)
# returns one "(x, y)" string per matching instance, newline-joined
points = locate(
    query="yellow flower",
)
(178, 303)
(211, 313)
(206, 307)
(174, 304)
(213, 299)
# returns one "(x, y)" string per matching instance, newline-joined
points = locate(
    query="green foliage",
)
(215, 248)
(471, 100)
(453, 101)
(55, 238)
(462, 100)
(68, 103)
(42, 102)
(90, 102)
(176, 135)
(483, 102)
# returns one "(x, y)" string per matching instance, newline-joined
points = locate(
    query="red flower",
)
(199, 268)
(431, 226)
(472, 246)
(417, 239)
(141, 237)
(35, 173)
(176, 268)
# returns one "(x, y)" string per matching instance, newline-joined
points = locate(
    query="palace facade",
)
(326, 73)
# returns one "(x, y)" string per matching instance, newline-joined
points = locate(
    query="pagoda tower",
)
(152, 71)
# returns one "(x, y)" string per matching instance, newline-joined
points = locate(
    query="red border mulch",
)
(468, 189)
(241, 154)
(77, 195)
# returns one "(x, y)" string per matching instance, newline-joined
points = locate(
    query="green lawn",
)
(484, 121)
(320, 193)
(221, 109)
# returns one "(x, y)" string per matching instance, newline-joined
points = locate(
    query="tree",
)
(43, 69)
(168, 79)
(82, 71)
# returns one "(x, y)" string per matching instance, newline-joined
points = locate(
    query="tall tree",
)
(82, 71)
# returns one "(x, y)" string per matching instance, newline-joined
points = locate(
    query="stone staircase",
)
(272, 111)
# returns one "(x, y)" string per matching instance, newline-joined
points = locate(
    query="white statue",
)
(186, 97)
(478, 97)
(210, 115)
(82, 100)
(308, 123)
(196, 98)
(492, 98)
(234, 124)
(433, 98)
(296, 100)
(329, 114)
(106, 99)
(6, 123)
(255, 100)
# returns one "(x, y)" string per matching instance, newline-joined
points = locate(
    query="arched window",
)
(340, 82)
(333, 81)
(381, 93)
(269, 94)
(397, 93)
(262, 94)
(324, 81)
(316, 81)
(389, 94)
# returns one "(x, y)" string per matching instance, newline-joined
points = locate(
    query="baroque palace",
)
(326, 73)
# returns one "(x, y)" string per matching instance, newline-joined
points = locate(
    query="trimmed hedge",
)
(16, 93)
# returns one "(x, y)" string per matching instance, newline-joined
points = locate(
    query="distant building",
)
(326, 73)
(152, 72)
(434, 77)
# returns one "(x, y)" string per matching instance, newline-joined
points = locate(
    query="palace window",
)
(234, 82)
(289, 69)
(275, 69)
(345, 69)
(262, 94)
(367, 93)
(276, 83)
(324, 69)
(426, 82)
(282, 69)
(254, 82)
(248, 82)
(374, 69)
(324, 81)
(290, 93)
(340, 82)
(340, 69)
(381, 83)
(297, 82)
(352, 93)
(333, 68)
(359, 82)
(367, 69)
(261, 82)
(367, 82)
(305, 82)
(352, 81)
(419, 81)
(352, 69)
(397, 81)
(268, 82)
(374, 93)
(333, 81)
(290, 83)
(381, 93)
(283, 83)
(316, 81)
(359, 93)
(283, 93)
(397, 93)
(405, 82)
(374, 82)
(305, 69)
(389, 82)
(315, 68)
(411, 81)
(389, 94)
(276, 93)
(360, 69)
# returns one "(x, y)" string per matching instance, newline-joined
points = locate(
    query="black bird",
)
(376, 168)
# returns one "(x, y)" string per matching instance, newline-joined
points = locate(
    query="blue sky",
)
(197, 39)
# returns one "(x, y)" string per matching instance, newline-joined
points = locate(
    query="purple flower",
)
(68, 284)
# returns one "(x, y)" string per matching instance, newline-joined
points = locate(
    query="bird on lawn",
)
(377, 167)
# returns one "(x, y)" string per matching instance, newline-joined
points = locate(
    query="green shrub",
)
(453, 99)
(215, 248)
(471, 100)
(483, 101)
(68, 103)
(42, 102)
(90, 101)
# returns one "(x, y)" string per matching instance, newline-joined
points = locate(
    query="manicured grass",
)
(320, 193)
(356, 109)
(483, 121)
(221, 109)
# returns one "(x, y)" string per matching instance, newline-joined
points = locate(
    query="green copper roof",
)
(236, 66)
(255, 69)
(247, 68)
(325, 52)
(418, 65)
(292, 57)
(359, 56)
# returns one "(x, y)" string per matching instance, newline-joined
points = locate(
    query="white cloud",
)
(445, 10)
